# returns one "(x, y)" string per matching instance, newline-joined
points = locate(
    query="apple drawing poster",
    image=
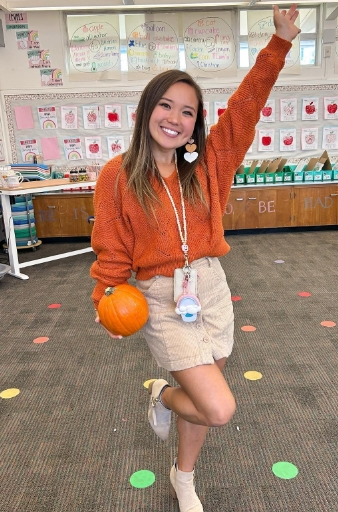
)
(310, 109)
(93, 147)
(131, 115)
(331, 108)
(220, 107)
(309, 139)
(113, 116)
(69, 118)
(266, 140)
(287, 139)
(330, 137)
(288, 109)
(115, 145)
(268, 112)
(206, 112)
(91, 117)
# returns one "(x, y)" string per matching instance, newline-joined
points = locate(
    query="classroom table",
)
(25, 188)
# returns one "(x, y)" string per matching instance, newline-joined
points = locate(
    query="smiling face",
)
(173, 119)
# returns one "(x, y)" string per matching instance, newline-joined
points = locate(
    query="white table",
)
(33, 187)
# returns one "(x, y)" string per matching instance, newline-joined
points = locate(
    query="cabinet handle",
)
(252, 197)
(51, 207)
(239, 198)
(333, 195)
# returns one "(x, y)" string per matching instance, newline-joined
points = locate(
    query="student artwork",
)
(27, 39)
(309, 138)
(288, 109)
(91, 117)
(51, 77)
(310, 109)
(38, 59)
(206, 112)
(73, 149)
(219, 108)
(115, 145)
(47, 118)
(131, 115)
(266, 140)
(113, 116)
(331, 108)
(287, 139)
(29, 149)
(93, 147)
(268, 113)
(69, 118)
(330, 137)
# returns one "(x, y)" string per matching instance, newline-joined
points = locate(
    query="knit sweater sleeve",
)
(232, 136)
(112, 238)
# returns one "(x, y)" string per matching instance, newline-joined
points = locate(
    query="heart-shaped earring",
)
(191, 154)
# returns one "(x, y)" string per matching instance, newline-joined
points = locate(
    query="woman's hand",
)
(285, 22)
(114, 336)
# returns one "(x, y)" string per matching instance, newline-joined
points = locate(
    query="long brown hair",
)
(138, 161)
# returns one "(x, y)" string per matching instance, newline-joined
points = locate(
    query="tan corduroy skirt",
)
(178, 345)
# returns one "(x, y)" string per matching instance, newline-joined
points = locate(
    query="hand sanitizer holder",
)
(188, 306)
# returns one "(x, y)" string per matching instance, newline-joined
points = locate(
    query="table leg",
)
(10, 239)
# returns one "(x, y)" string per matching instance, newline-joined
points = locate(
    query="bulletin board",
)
(298, 121)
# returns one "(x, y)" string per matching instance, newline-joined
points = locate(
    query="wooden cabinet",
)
(63, 215)
(315, 205)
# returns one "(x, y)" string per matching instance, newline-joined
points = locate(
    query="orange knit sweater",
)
(124, 239)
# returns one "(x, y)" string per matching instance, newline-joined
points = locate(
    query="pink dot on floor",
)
(304, 294)
(248, 328)
(54, 306)
(41, 339)
(328, 323)
(235, 298)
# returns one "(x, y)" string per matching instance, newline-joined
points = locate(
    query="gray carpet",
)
(78, 429)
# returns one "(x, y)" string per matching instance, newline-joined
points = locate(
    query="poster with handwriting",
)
(91, 117)
(287, 139)
(210, 49)
(38, 59)
(331, 108)
(310, 109)
(266, 140)
(309, 138)
(260, 30)
(115, 145)
(69, 118)
(29, 149)
(51, 77)
(47, 118)
(268, 112)
(330, 137)
(113, 116)
(131, 115)
(219, 108)
(288, 109)
(27, 39)
(152, 44)
(16, 21)
(206, 112)
(94, 47)
(93, 147)
(73, 149)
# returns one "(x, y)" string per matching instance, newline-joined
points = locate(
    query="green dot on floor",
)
(285, 470)
(142, 479)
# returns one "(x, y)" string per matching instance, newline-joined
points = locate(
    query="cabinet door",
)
(316, 205)
(47, 218)
(74, 213)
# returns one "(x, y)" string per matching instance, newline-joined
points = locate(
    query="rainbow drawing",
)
(48, 124)
(56, 74)
(74, 155)
(33, 35)
(29, 157)
(44, 54)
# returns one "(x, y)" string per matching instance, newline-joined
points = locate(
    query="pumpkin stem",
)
(109, 291)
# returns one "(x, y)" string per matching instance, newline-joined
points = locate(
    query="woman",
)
(158, 212)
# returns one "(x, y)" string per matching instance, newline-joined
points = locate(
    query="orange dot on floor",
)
(235, 298)
(328, 323)
(41, 339)
(304, 294)
(248, 328)
(54, 306)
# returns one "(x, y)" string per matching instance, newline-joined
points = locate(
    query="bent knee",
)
(222, 414)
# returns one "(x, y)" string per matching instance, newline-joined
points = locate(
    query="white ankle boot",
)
(159, 416)
(183, 488)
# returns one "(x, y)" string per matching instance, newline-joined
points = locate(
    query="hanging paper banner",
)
(131, 115)
(73, 149)
(91, 117)
(330, 137)
(38, 59)
(29, 149)
(47, 118)
(309, 139)
(287, 139)
(288, 109)
(94, 47)
(93, 147)
(209, 43)
(331, 108)
(69, 119)
(16, 21)
(310, 109)
(260, 30)
(268, 113)
(27, 39)
(220, 107)
(51, 77)
(115, 145)
(113, 116)
(153, 44)
(266, 140)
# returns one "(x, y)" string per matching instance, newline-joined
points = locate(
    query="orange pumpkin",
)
(123, 309)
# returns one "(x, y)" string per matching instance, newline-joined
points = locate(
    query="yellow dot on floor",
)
(148, 382)
(9, 393)
(251, 375)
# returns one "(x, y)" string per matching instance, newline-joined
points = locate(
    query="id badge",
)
(178, 283)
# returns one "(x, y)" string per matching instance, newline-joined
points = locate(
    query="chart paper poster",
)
(152, 44)
(51, 77)
(266, 140)
(91, 117)
(16, 21)
(209, 43)
(260, 30)
(29, 149)
(288, 109)
(309, 139)
(73, 149)
(220, 107)
(113, 116)
(115, 145)
(287, 139)
(331, 108)
(27, 39)
(330, 137)
(268, 113)
(310, 109)
(94, 47)
(69, 119)
(38, 58)
(47, 118)
(93, 147)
